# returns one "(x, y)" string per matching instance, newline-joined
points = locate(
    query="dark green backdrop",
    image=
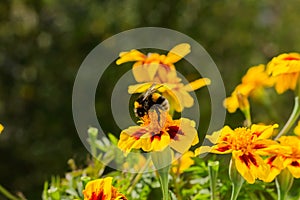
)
(42, 44)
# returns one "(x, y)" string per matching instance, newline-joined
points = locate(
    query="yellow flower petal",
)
(294, 168)
(133, 55)
(276, 165)
(284, 63)
(177, 53)
(250, 166)
(286, 81)
(157, 142)
(202, 150)
(195, 85)
(231, 103)
(131, 138)
(139, 88)
(263, 131)
(285, 68)
(218, 136)
(144, 72)
(185, 135)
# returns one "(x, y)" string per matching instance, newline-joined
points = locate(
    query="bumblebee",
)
(148, 99)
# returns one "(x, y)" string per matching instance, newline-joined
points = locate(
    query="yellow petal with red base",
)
(102, 189)
(250, 166)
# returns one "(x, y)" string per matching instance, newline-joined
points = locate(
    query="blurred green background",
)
(44, 42)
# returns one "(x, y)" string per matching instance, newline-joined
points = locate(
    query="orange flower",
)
(102, 189)
(153, 66)
(252, 84)
(247, 145)
(288, 157)
(157, 131)
(285, 68)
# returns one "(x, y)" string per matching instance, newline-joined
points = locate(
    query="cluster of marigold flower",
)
(255, 154)
(156, 131)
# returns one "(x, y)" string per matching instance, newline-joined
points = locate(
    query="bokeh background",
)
(42, 44)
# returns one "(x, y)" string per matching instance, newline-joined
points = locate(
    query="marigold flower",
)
(285, 68)
(1, 128)
(252, 84)
(247, 145)
(160, 69)
(288, 157)
(157, 131)
(102, 189)
(146, 67)
(183, 163)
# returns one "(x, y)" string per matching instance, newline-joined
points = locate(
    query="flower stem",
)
(236, 180)
(7, 194)
(163, 177)
(162, 160)
(213, 168)
(294, 116)
(247, 115)
(284, 182)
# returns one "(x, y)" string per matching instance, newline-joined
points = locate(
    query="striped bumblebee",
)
(148, 99)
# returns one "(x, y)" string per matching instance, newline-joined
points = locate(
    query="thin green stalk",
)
(235, 191)
(7, 194)
(237, 180)
(163, 177)
(213, 168)
(284, 182)
(293, 118)
(162, 160)
(247, 115)
(177, 180)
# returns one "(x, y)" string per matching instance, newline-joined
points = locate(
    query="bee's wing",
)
(158, 116)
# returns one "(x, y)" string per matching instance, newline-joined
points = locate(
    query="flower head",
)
(160, 69)
(285, 68)
(288, 157)
(102, 189)
(252, 85)
(153, 66)
(157, 131)
(246, 145)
